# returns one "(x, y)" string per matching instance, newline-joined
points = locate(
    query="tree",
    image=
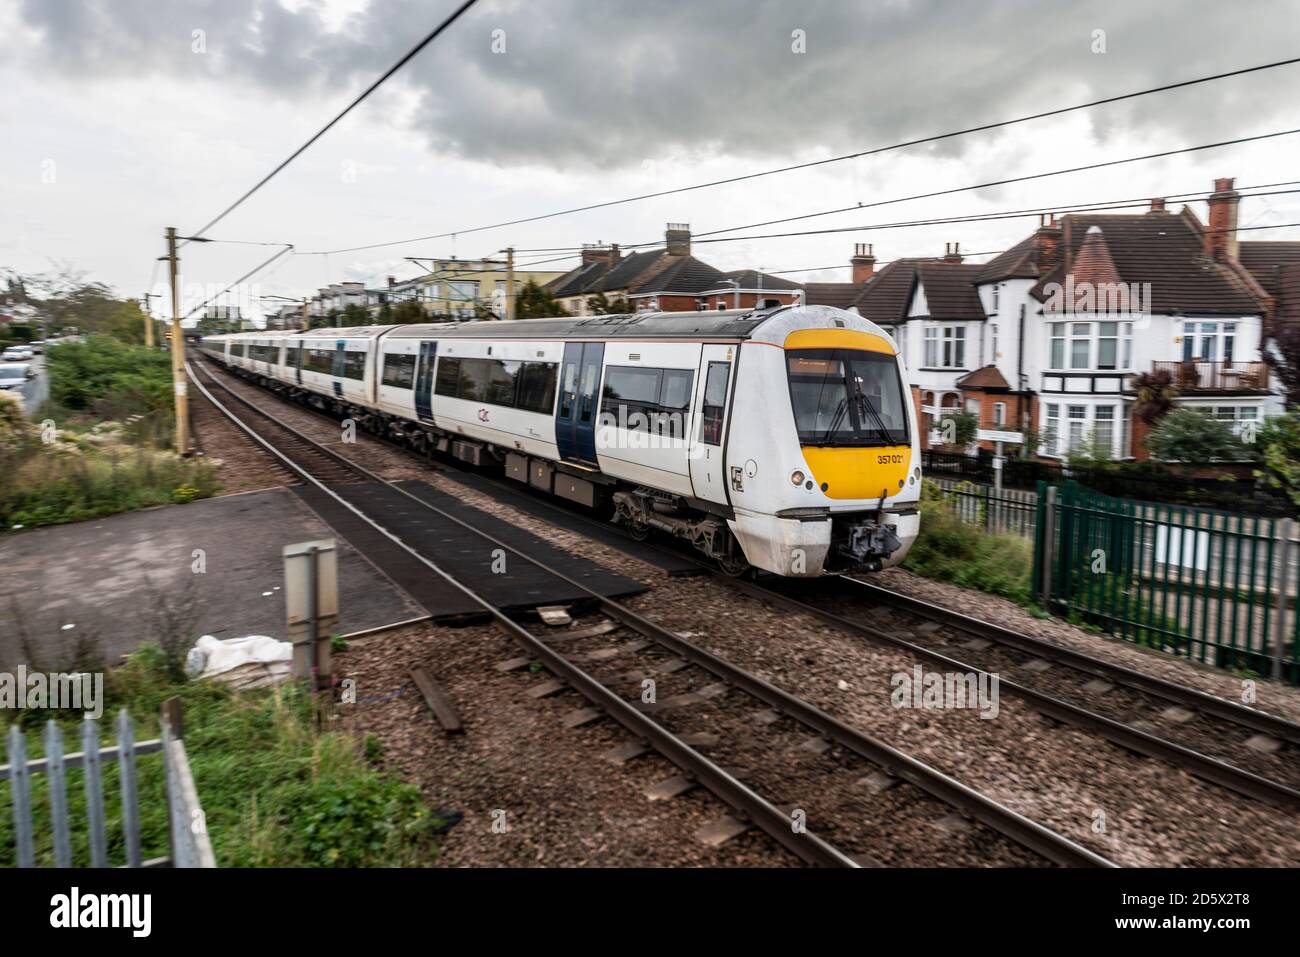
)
(355, 315)
(534, 302)
(1279, 444)
(1187, 435)
(601, 305)
(408, 313)
(1284, 359)
(1155, 395)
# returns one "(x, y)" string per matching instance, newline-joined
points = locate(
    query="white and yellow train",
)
(783, 439)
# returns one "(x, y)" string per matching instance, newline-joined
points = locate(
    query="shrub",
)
(951, 550)
(1187, 435)
(1279, 444)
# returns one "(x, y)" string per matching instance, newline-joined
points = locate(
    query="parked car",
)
(13, 376)
(18, 353)
(38, 346)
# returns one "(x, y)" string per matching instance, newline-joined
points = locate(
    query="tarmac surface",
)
(125, 579)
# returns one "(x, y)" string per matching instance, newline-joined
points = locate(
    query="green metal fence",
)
(1212, 586)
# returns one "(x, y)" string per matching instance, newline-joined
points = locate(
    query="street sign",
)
(996, 435)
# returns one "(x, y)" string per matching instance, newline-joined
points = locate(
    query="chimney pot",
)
(1158, 204)
(952, 253)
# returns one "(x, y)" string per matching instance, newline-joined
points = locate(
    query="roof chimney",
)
(863, 262)
(1221, 233)
(392, 280)
(1048, 242)
(677, 239)
(595, 253)
(614, 254)
(952, 253)
(1158, 205)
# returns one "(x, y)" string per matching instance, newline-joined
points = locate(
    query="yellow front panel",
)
(859, 473)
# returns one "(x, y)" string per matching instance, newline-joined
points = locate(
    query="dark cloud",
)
(610, 83)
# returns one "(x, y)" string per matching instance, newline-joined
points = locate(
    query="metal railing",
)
(190, 846)
(1195, 375)
(1213, 586)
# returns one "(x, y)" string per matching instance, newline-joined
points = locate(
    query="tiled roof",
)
(885, 296)
(753, 279)
(985, 377)
(1165, 250)
(841, 295)
(579, 280)
(1264, 258)
(950, 291)
(628, 269)
(1018, 262)
(676, 274)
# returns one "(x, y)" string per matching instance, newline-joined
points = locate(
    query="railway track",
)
(804, 823)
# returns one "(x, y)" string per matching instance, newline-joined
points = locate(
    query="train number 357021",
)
(896, 459)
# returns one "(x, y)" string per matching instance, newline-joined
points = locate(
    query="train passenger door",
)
(713, 387)
(297, 360)
(424, 381)
(575, 418)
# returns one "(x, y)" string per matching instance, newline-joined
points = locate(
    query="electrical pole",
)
(510, 283)
(178, 353)
(148, 320)
(306, 322)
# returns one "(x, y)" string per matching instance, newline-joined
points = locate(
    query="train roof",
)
(729, 324)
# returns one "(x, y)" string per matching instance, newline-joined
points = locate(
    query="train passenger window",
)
(354, 365)
(714, 407)
(589, 375)
(237, 349)
(319, 360)
(474, 378)
(536, 390)
(675, 393)
(501, 381)
(399, 370)
(647, 399)
(448, 379)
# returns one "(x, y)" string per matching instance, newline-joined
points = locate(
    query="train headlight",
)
(797, 477)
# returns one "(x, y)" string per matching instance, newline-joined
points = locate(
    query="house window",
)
(996, 290)
(1078, 423)
(931, 347)
(1209, 341)
(1103, 428)
(1052, 432)
(1080, 345)
(1110, 342)
(993, 332)
(1236, 415)
(945, 347)
(999, 414)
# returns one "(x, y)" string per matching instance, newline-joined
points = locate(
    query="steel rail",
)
(1023, 830)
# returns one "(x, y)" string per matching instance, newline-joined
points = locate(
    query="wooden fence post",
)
(126, 768)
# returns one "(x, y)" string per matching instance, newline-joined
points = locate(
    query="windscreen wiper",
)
(864, 402)
(835, 421)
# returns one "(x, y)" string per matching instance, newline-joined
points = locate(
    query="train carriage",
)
(783, 439)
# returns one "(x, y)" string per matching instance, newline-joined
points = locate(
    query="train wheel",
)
(639, 531)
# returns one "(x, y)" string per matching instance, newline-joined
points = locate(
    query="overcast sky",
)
(122, 117)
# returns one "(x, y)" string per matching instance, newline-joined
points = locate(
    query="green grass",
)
(275, 791)
(951, 550)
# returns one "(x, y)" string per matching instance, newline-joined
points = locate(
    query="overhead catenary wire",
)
(1059, 111)
(410, 54)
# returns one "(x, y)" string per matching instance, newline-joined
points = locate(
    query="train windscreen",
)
(847, 397)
